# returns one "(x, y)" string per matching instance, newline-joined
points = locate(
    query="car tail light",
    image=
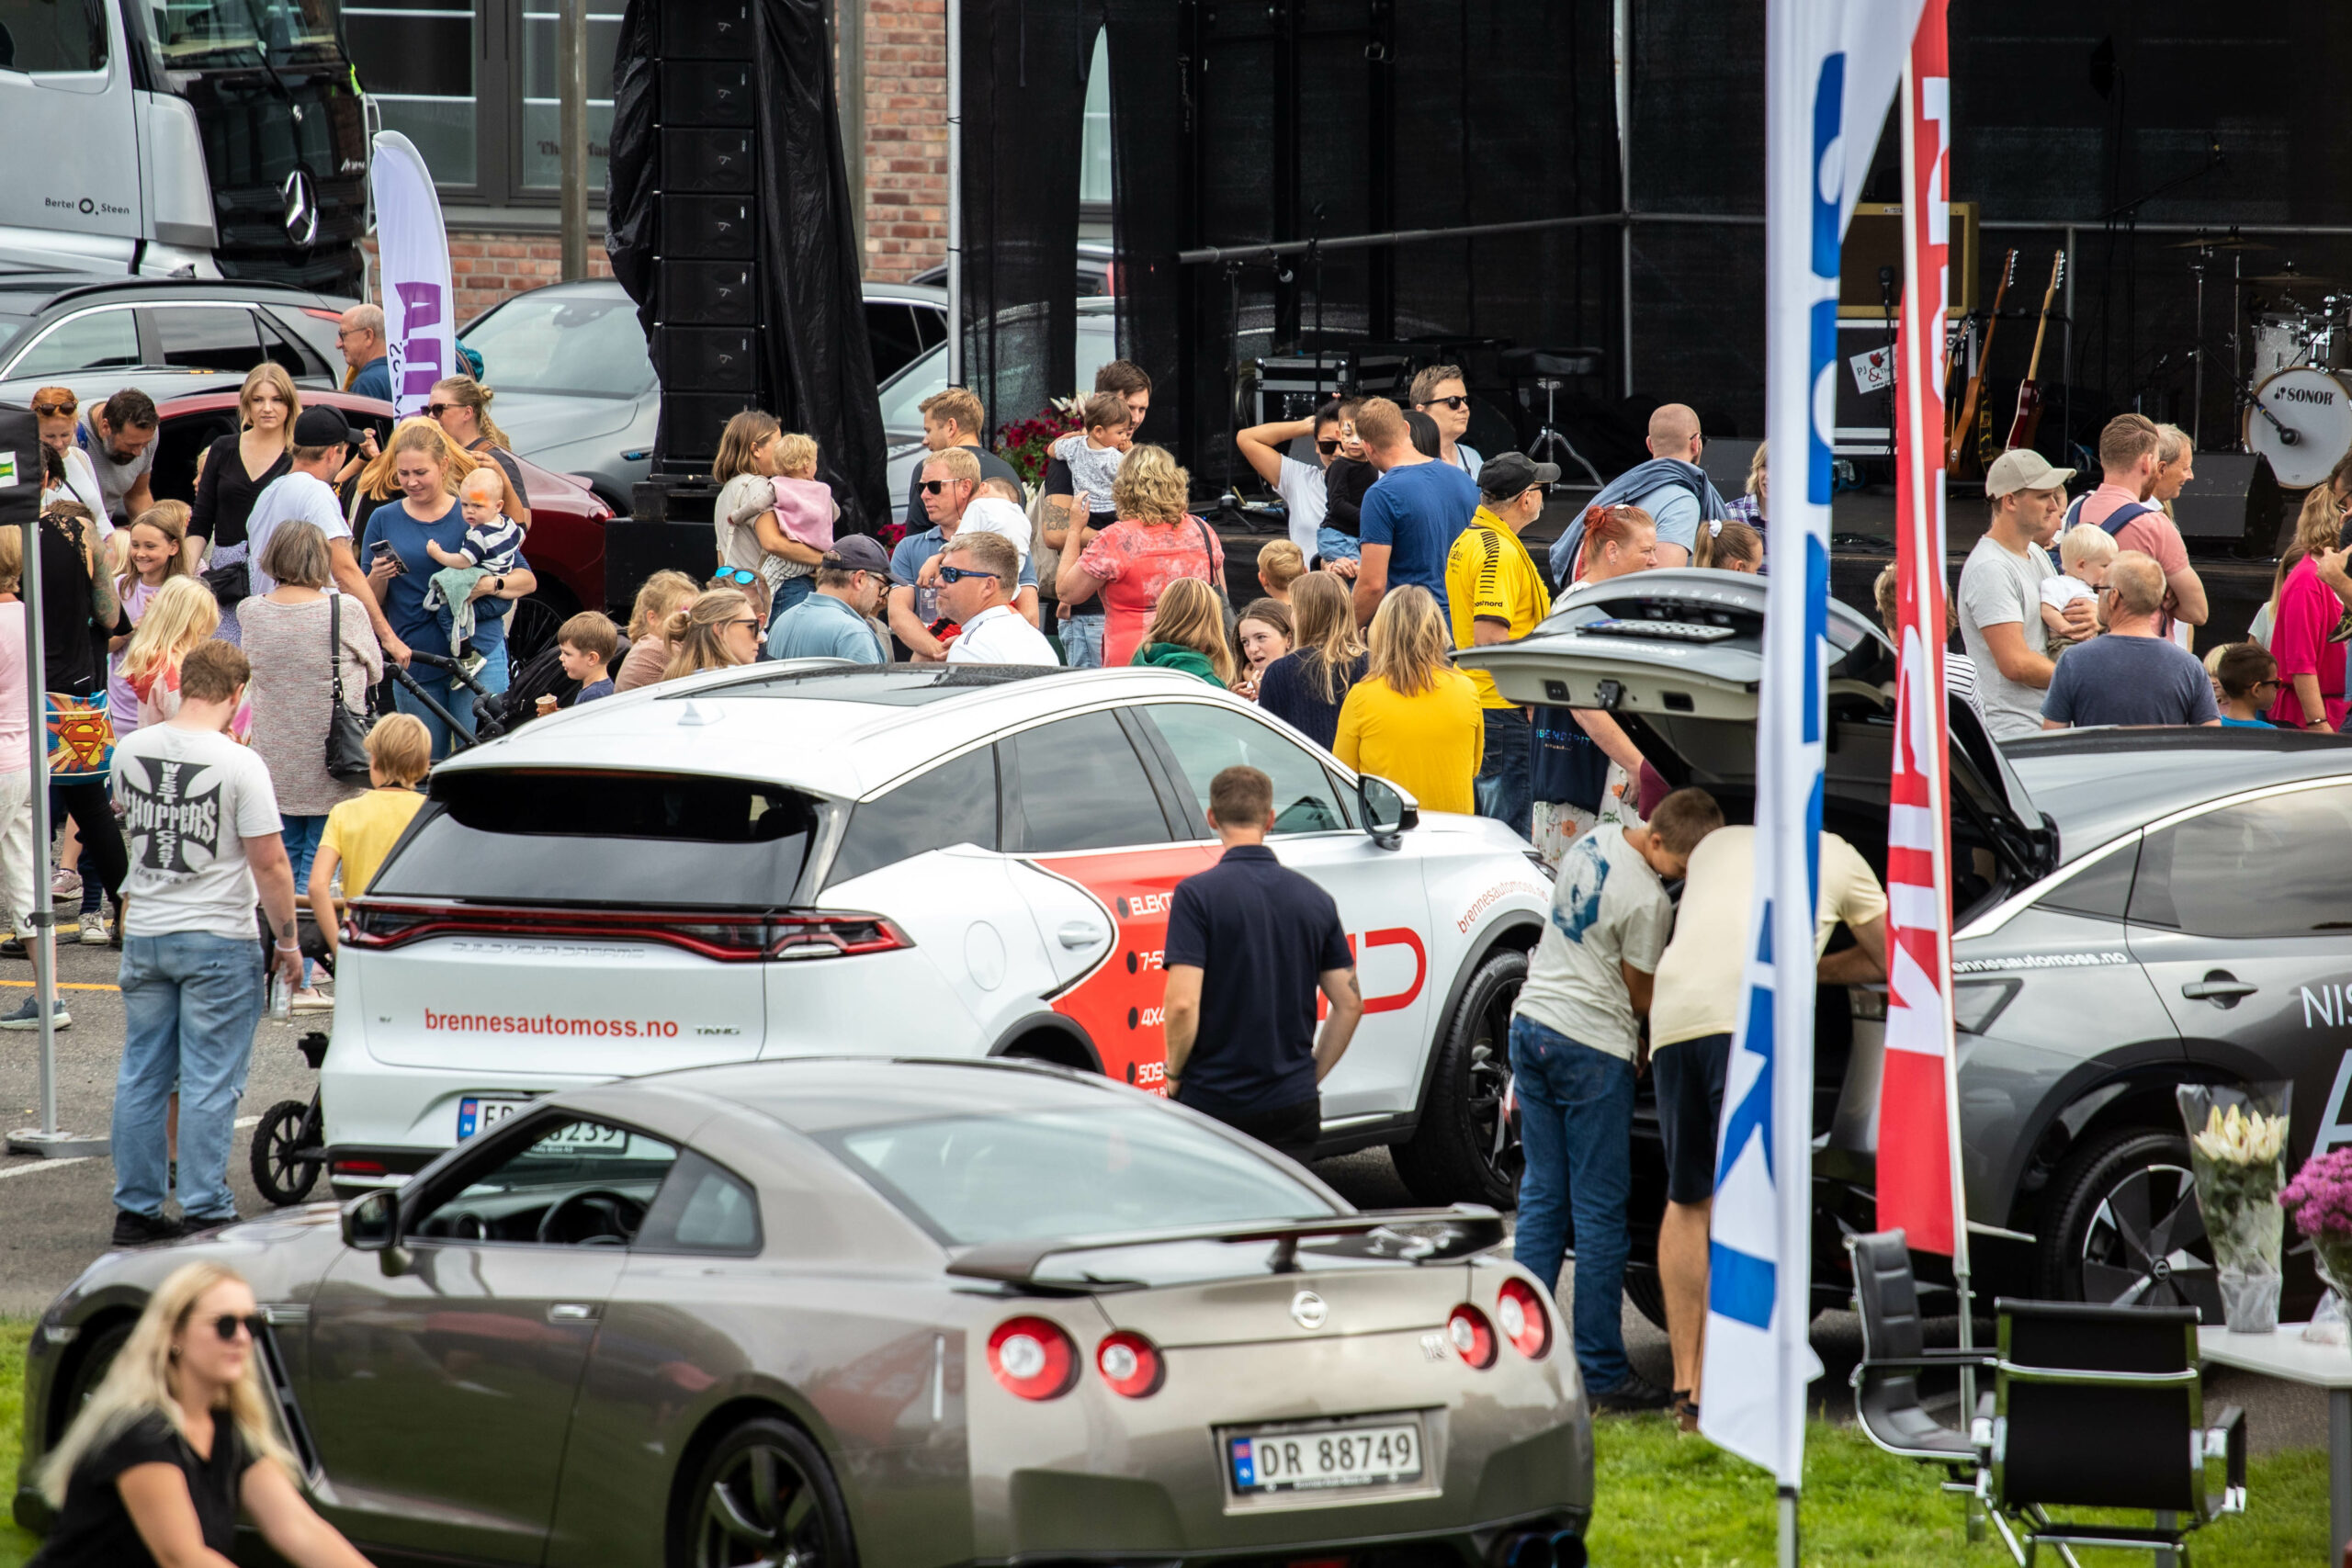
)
(730, 937)
(1472, 1336)
(1130, 1364)
(360, 1167)
(1520, 1312)
(1032, 1356)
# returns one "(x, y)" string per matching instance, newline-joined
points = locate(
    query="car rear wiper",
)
(1461, 1230)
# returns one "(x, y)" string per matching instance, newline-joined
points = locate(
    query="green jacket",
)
(1176, 657)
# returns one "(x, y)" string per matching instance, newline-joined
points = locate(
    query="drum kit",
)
(2295, 397)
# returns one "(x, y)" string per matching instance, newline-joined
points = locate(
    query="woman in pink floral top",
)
(1154, 543)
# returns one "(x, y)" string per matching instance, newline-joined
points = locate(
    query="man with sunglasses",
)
(1440, 392)
(1263, 447)
(945, 486)
(973, 571)
(360, 335)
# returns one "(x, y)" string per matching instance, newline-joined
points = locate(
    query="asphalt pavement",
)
(55, 1215)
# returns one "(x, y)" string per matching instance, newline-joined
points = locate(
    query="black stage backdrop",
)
(816, 369)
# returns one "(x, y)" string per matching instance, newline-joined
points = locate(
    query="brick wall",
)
(906, 136)
(488, 265)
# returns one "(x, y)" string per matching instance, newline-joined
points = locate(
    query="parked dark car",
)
(56, 326)
(566, 546)
(2135, 909)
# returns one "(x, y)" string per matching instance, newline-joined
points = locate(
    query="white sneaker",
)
(94, 931)
(65, 884)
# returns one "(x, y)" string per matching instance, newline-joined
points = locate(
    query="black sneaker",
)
(201, 1224)
(142, 1230)
(14, 948)
(1635, 1394)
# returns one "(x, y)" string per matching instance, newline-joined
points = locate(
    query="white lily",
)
(2232, 1138)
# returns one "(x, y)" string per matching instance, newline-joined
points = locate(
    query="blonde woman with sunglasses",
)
(177, 1440)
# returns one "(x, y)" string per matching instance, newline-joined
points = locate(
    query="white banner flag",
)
(413, 250)
(1831, 68)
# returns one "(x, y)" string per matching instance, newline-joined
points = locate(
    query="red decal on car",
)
(1118, 1002)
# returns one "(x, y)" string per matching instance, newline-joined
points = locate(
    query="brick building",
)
(475, 90)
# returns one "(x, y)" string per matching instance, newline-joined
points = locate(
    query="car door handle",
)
(571, 1312)
(2220, 987)
(1080, 933)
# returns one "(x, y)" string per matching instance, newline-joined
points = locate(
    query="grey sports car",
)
(828, 1312)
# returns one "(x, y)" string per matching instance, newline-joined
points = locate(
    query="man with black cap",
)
(306, 494)
(836, 620)
(1494, 593)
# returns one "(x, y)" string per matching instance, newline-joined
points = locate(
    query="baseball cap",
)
(2021, 469)
(1506, 474)
(322, 425)
(858, 552)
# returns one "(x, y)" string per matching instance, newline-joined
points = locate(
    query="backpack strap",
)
(2123, 515)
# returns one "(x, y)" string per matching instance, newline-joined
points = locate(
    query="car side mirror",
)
(1386, 812)
(371, 1223)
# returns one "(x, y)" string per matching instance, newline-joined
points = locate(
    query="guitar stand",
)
(1550, 435)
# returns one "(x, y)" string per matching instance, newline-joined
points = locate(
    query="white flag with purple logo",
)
(1831, 68)
(413, 251)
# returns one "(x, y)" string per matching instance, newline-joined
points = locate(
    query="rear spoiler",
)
(1460, 1231)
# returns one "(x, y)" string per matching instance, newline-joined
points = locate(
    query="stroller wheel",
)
(279, 1169)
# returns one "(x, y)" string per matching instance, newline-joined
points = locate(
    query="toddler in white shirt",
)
(2084, 552)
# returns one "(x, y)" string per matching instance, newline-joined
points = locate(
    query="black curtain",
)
(815, 368)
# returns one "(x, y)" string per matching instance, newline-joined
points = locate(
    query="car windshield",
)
(1112, 1169)
(579, 345)
(189, 32)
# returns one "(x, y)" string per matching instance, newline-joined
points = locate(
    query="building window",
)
(474, 86)
(1094, 147)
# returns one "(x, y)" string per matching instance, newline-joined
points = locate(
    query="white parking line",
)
(248, 1121)
(44, 1165)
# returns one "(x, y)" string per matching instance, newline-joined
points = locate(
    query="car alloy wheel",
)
(766, 1500)
(2129, 1232)
(1467, 1148)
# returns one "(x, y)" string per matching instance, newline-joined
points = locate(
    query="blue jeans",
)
(1575, 1112)
(1082, 641)
(1507, 773)
(190, 1002)
(1332, 545)
(301, 835)
(790, 592)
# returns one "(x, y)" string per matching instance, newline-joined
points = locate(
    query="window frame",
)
(674, 1248)
(487, 1151)
(833, 876)
(1139, 741)
(140, 346)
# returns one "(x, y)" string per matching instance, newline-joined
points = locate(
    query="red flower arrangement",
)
(1024, 443)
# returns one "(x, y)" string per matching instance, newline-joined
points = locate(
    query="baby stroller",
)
(491, 719)
(290, 1146)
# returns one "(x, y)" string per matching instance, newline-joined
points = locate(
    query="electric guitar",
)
(1974, 399)
(2029, 421)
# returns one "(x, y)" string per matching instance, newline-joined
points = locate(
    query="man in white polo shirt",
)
(975, 570)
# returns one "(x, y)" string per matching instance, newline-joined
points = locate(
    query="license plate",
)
(1368, 1454)
(480, 1112)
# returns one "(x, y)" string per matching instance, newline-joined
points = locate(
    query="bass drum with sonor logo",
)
(2301, 421)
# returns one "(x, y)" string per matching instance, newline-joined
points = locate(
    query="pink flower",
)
(2319, 1199)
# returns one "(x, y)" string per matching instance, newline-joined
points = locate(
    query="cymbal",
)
(2231, 243)
(2286, 279)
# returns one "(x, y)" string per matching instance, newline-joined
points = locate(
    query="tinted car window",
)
(1077, 785)
(703, 1207)
(2267, 868)
(511, 1198)
(100, 341)
(42, 35)
(2103, 891)
(1063, 1173)
(953, 804)
(1205, 740)
(891, 333)
(207, 338)
(672, 839)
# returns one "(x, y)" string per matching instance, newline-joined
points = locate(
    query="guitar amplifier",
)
(1295, 387)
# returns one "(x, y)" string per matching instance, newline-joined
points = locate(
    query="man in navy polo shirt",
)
(1248, 1054)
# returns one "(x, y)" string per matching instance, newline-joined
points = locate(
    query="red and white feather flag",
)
(1918, 1133)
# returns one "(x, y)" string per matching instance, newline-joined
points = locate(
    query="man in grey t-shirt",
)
(2000, 593)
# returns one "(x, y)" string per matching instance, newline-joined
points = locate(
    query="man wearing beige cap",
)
(2000, 593)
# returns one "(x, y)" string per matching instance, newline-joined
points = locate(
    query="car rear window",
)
(1107, 1171)
(548, 836)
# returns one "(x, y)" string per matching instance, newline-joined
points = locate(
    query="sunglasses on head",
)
(1454, 402)
(227, 1324)
(51, 410)
(735, 575)
(1327, 447)
(958, 573)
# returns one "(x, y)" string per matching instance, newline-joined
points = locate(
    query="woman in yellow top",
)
(1414, 719)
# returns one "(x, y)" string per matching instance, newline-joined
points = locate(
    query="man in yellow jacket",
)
(1495, 594)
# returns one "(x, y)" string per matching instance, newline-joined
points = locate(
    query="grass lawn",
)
(1667, 1500)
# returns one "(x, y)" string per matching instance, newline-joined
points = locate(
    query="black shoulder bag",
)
(347, 731)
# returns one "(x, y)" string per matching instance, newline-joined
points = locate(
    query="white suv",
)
(815, 859)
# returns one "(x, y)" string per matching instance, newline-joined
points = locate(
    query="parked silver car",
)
(827, 1311)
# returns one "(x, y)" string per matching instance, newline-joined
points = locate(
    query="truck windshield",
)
(190, 33)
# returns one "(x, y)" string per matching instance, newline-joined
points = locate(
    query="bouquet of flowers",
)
(2237, 1140)
(2320, 1198)
(1024, 443)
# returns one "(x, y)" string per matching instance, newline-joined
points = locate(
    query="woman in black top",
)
(1304, 689)
(174, 1439)
(78, 611)
(237, 469)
